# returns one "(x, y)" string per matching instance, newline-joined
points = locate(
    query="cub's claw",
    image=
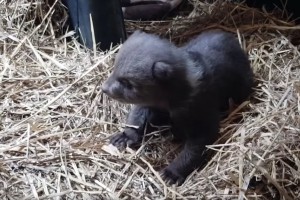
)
(123, 139)
(119, 140)
(172, 177)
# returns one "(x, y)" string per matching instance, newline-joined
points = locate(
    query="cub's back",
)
(225, 63)
(218, 49)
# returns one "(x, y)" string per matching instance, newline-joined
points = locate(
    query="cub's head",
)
(144, 68)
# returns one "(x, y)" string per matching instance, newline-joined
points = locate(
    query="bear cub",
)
(188, 87)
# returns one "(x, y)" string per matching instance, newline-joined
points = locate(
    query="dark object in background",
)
(292, 7)
(148, 9)
(107, 18)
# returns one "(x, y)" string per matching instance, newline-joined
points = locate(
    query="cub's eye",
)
(126, 83)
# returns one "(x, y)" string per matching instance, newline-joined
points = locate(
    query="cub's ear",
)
(161, 70)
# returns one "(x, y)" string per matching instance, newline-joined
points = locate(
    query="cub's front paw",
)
(126, 138)
(171, 176)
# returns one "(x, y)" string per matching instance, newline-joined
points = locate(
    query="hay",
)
(55, 122)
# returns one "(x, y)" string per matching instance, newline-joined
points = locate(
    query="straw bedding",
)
(55, 122)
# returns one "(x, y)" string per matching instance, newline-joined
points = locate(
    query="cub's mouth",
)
(117, 98)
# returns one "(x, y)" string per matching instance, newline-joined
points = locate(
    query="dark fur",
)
(188, 86)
